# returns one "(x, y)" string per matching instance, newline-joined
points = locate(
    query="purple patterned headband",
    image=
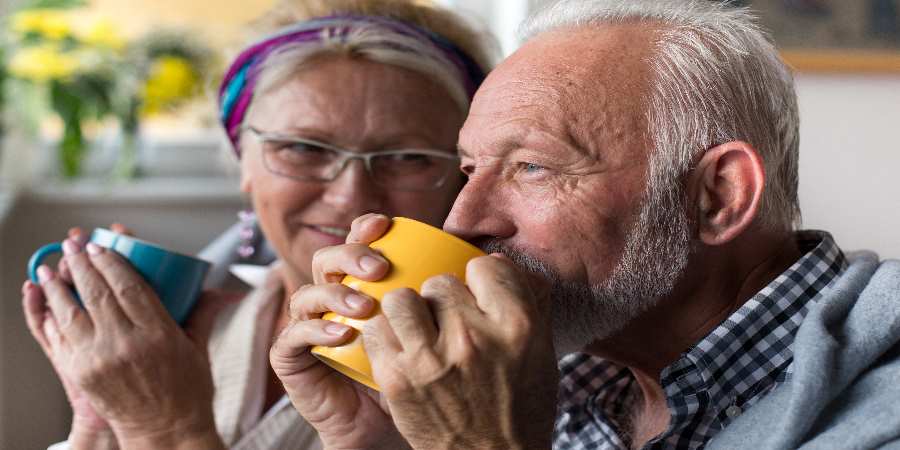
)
(237, 90)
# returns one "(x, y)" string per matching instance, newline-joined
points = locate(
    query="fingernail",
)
(70, 247)
(356, 301)
(94, 249)
(44, 274)
(370, 263)
(336, 329)
(81, 239)
(377, 217)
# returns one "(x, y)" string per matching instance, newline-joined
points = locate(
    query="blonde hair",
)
(280, 67)
(478, 44)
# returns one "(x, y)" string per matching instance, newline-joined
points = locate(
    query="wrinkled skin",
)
(460, 367)
(105, 351)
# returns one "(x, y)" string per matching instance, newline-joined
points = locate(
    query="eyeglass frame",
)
(347, 155)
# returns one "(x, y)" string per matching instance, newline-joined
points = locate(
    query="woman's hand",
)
(139, 370)
(89, 430)
(345, 413)
(80, 237)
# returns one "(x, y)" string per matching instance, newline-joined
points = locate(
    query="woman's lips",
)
(334, 231)
(328, 235)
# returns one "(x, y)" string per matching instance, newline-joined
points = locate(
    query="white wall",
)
(501, 17)
(850, 159)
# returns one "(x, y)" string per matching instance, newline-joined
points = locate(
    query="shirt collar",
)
(733, 366)
(254, 275)
(757, 339)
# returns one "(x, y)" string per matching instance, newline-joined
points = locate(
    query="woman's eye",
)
(409, 158)
(300, 152)
(300, 147)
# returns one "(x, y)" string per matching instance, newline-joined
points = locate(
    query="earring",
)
(247, 234)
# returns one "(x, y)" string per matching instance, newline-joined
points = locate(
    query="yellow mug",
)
(416, 251)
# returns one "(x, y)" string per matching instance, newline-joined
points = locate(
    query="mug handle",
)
(38, 257)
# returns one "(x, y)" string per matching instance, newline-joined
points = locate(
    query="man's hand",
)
(467, 367)
(346, 414)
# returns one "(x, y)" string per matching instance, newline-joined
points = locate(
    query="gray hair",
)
(717, 78)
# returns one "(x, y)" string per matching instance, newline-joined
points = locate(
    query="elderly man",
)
(633, 168)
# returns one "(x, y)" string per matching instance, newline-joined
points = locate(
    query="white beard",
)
(656, 254)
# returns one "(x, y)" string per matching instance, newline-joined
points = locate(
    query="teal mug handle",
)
(39, 256)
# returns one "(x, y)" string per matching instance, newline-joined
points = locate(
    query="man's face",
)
(556, 149)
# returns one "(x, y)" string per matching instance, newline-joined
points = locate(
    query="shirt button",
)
(733, 411)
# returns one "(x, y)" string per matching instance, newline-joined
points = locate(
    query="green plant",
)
(4, 74)
(166, 69)
(84, 71)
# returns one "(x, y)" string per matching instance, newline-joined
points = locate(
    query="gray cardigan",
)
(845, 389)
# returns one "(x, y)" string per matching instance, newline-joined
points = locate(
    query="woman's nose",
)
(354, 190)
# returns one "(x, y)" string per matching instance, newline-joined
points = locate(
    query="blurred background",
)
(107, 115)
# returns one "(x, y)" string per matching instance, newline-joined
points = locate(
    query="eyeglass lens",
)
(401, 170)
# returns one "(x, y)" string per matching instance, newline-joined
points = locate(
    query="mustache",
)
(518, 256)
(542, 278)
(494, 245)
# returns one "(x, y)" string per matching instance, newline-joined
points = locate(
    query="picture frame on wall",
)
(849, 36)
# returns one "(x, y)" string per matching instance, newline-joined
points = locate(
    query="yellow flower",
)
(42, 63)
(52, 24)
(172, 79)
(100, 32)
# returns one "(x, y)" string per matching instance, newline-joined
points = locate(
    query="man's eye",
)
(532, 168)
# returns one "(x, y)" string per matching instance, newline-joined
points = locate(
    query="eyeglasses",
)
(307, 160)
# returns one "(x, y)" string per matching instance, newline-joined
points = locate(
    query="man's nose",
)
(479, 212)
(354, 191)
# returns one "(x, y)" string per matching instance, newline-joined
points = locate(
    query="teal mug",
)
(176, 278)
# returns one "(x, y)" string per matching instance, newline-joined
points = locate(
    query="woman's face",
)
(360, 106)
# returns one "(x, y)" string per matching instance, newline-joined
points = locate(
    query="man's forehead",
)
(594, 49)
(569, 80)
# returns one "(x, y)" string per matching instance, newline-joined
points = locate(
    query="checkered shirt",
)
(711, 384)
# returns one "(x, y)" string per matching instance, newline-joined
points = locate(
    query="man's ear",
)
(728, 184)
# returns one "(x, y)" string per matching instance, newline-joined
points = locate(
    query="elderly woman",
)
(346, 108)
